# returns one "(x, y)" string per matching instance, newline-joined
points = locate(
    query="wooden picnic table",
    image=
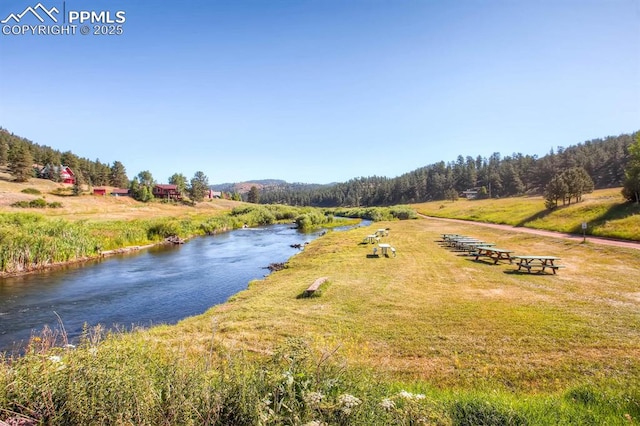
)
(496, 254)
(471, 246)
(462, 243)
(371, 239)
(541, 263)
(382, 232)
(385, 249)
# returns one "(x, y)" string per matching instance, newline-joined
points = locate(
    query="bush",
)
(38, 203)
(31, 191)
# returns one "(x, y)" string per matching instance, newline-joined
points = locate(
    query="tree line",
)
(608, 162)
(603, 160)
(21, 154)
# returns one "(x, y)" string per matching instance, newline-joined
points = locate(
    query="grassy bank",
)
(32, 241)
(427, 337)
(605, 212)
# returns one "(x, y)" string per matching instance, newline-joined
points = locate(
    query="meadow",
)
(430, 336)
(427, 337)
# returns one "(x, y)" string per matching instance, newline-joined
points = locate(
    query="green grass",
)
(605, 211)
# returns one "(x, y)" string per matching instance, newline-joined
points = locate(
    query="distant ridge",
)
(261, 184)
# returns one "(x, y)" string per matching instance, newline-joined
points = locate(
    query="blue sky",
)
(325, 90)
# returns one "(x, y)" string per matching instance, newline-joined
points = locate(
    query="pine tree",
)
(118, 175)
(199, 186)
(631, 186)
(21, 163)
(254, 195)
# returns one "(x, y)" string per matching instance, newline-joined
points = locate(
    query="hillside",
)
(92, 207)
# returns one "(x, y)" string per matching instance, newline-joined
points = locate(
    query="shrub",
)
(31, 191)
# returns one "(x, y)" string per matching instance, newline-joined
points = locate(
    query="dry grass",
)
(435, 315)
(97, 208)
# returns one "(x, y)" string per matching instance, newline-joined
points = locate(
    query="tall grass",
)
(31, 241)
(131, 379)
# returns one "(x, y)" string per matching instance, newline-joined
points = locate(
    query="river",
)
(160, 285)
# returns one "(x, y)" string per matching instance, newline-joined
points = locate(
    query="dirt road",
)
(591, 239)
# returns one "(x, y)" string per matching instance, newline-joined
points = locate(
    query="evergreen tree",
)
(4, 152)
(631, 186)
(199, 186)
(578, 183)
(555, 190)
(77, 184)
(21, 163)
(118, 175)
(254, 195)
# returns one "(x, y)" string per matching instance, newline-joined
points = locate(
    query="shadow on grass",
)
(536, 216)
(373, 256)
(482, 262)
(615, 212)
(309, 295)
(521, 272)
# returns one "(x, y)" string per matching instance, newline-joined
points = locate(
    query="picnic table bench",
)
(315, 286)
(537, 262)
(496, 254)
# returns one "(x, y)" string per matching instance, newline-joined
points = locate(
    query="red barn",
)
(99, 191)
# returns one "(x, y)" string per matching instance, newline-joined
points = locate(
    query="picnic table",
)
(540, 263)
(452, 241)
(496, 254)
(371, 239)
(471, 246)
(463, 242)
(382, 232)
(385, 249)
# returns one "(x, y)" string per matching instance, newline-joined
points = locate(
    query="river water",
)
(158, 285)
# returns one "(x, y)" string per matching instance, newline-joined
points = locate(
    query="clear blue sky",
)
(325, 90)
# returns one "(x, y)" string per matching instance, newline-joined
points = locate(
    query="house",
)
(169, 192)
(211, 194)
(62, 173)
(471, 193)
(99, 191)
(120, 192)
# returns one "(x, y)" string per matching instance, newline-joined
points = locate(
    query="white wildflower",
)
(289, 377)
(348, 402)
(419, 396)
(404, 394)
(55, 358)
(387, 404)
(313, 398)
(315, 423)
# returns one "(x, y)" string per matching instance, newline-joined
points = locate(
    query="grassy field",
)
(434, 315)
(605, 212)
(427, 337)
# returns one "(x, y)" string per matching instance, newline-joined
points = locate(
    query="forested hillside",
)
(14, 148)
(496, 176)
